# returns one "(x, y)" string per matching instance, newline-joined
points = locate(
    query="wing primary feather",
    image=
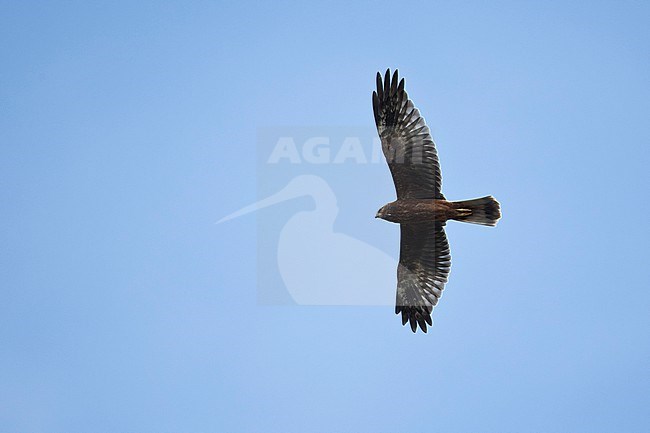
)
(375, 105)
(380, 87)
(400, 102)
(393, 84)
(387, 83)
(413, 323)
(421, 322)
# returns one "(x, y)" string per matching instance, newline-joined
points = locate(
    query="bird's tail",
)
(485, 211)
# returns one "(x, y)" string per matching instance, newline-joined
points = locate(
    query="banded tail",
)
(485, 211)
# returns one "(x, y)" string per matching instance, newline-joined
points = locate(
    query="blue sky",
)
(128, 128)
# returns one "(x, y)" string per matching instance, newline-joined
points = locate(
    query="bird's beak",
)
(282, 195)
(377, 216)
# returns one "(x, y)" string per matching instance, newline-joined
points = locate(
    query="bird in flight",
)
(420, 209)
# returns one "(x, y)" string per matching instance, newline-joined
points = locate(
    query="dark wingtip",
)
(421, 322)
(387, 85)
(380, 86)
(375, 105)
(415, 318)
(387, 82)
(413, 323)
(393, 84)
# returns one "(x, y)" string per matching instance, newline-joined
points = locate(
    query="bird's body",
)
(410, 211)
(484, 211)
(421, 209)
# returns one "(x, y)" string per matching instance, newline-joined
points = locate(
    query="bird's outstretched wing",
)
(424, 264)
(405, 141)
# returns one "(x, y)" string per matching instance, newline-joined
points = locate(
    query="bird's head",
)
(384, 213)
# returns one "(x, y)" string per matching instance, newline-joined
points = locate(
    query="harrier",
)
(420, 209)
